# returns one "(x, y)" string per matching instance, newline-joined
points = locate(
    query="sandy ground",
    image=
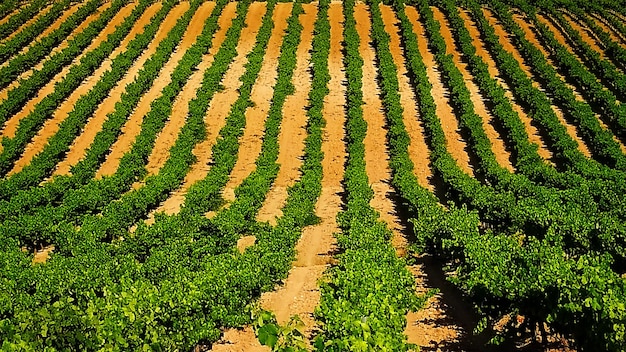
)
(586, 34)
(55, 25)
(418, 148)
(132, 127)
(30, 21)
(508, 46)
(560, 36)
(251, 140)
(606, 25)
(497, 144)
(79, 29)
(455, 142)
(219, 107)
(533, 133)
(94, 124)
(11, 125)
(300, 293)
(51, 126)
(293, 127)
(167, 137)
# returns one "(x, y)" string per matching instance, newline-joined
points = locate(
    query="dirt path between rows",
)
(9, 15)
(220, 105)
(418, 148)
(51, 126)
(251, 140)
(533, 134)
(560, 36)
(11, 125)
(505, 41)
(94, 124)
(503, 156)
(299, 295)
(180, 109)
(132, 127)
(80, 28)
(456, 145)
(293, 126)
(55, 25)
(606, 25)
(586, 34)
(30, 21)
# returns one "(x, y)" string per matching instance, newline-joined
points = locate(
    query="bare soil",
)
(8, 16)
(220, 105)
(11, 125)
(251, 141)
(503, 156)
(94, 124)
(55, 25)
(51, 126)
(533, 133)
(455, 143)
(418, 148)
(131, 129)
(300, 293)
(30, 21)
(80, 28)
(293, 126)
(606, 25)
(167, 137)
(560, 36)
(508, 46)
(572, 129)
(587, 34)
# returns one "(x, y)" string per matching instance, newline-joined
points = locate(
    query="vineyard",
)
(357, 175)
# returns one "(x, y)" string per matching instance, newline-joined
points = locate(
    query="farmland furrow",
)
(27, 12)
(81, 144)
(51, 126)
(615, 21)
(571, 127)
(608, 27)
(64, 44)
(8, 14)
(503, 156)
(10, 127)
(299, 294)
(534, 135)
(132, 127)
(218, 111)
(293, 126)
(418, 148)
(455, 142)
(18, 49)
(251, 140)
(586, 33)
(167, 136)
(509, 47)
(561, 37)
(30, 21)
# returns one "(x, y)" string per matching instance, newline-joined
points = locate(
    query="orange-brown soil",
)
(300, 293)
(94, 124)
(56, 24)
(586, 34)
(251, 140)
(418, 148)
(51, 126)
(606, 25)
(165, 140)
(571, 127)
(499, 149)
(560, 36)
(132, 127)
(80, 28)
(8, 16)
(533, 134)
(508, 46)
(11, 125)
(455, 142)
(220, 105)
(30, 21)
(293, 126)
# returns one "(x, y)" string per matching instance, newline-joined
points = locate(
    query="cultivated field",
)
(344, 176)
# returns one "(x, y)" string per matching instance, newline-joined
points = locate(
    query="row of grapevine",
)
(17, 20)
